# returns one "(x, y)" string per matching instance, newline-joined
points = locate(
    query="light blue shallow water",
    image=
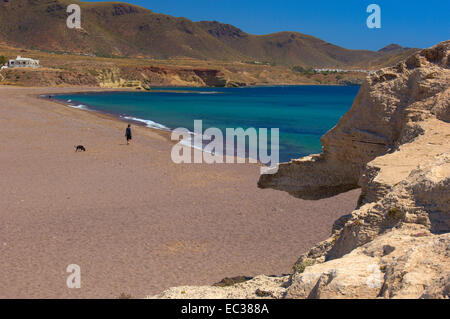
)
(302, 113)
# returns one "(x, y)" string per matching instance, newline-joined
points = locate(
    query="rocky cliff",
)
(155, 75)
(140, 77)
(394, 144)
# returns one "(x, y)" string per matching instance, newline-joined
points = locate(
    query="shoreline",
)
(142, 122)
(129, 212)
(104, 115)
(166, 133)
(149, 122)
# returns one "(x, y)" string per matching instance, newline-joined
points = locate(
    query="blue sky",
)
(410, 23)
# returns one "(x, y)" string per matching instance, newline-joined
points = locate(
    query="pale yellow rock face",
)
(272, 286)
(394, 143)
(408, 262)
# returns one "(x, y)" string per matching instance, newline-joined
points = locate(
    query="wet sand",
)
(134, 221)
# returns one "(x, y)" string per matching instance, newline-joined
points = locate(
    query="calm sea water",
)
(302, 113)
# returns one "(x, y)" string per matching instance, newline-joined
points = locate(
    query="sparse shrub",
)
(3, 60)
(227, 282)
(302, 70)
(262, 293)
(298, 69)
(300, 267)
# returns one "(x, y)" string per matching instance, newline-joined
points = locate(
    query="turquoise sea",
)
(302, 113)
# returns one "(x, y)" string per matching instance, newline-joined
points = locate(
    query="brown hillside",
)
(290, 48)
(120, 29)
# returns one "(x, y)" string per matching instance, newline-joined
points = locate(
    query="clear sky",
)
(410, 23)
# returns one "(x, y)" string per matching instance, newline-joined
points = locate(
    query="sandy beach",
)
(134, 221)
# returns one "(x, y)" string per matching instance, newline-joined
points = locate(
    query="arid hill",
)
(119, 29)
(72, 69)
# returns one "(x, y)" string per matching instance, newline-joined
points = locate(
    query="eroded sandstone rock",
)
(384, 115)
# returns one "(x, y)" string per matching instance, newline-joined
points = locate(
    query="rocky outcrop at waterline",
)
(394, 144)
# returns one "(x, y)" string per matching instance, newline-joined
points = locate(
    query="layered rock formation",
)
(394, 143)
(116, 77)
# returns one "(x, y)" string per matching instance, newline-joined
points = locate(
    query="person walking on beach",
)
(128, 134)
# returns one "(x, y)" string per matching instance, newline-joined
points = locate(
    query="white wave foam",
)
(189, 142)
(79, 106)
(148, 123)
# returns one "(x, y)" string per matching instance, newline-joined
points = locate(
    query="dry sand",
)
(134, 222)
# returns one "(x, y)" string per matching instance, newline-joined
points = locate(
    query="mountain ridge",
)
(393, 47)
(122, 29)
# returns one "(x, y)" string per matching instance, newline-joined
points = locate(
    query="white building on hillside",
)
(20, 62)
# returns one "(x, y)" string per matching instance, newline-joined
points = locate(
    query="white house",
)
(20, 62)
